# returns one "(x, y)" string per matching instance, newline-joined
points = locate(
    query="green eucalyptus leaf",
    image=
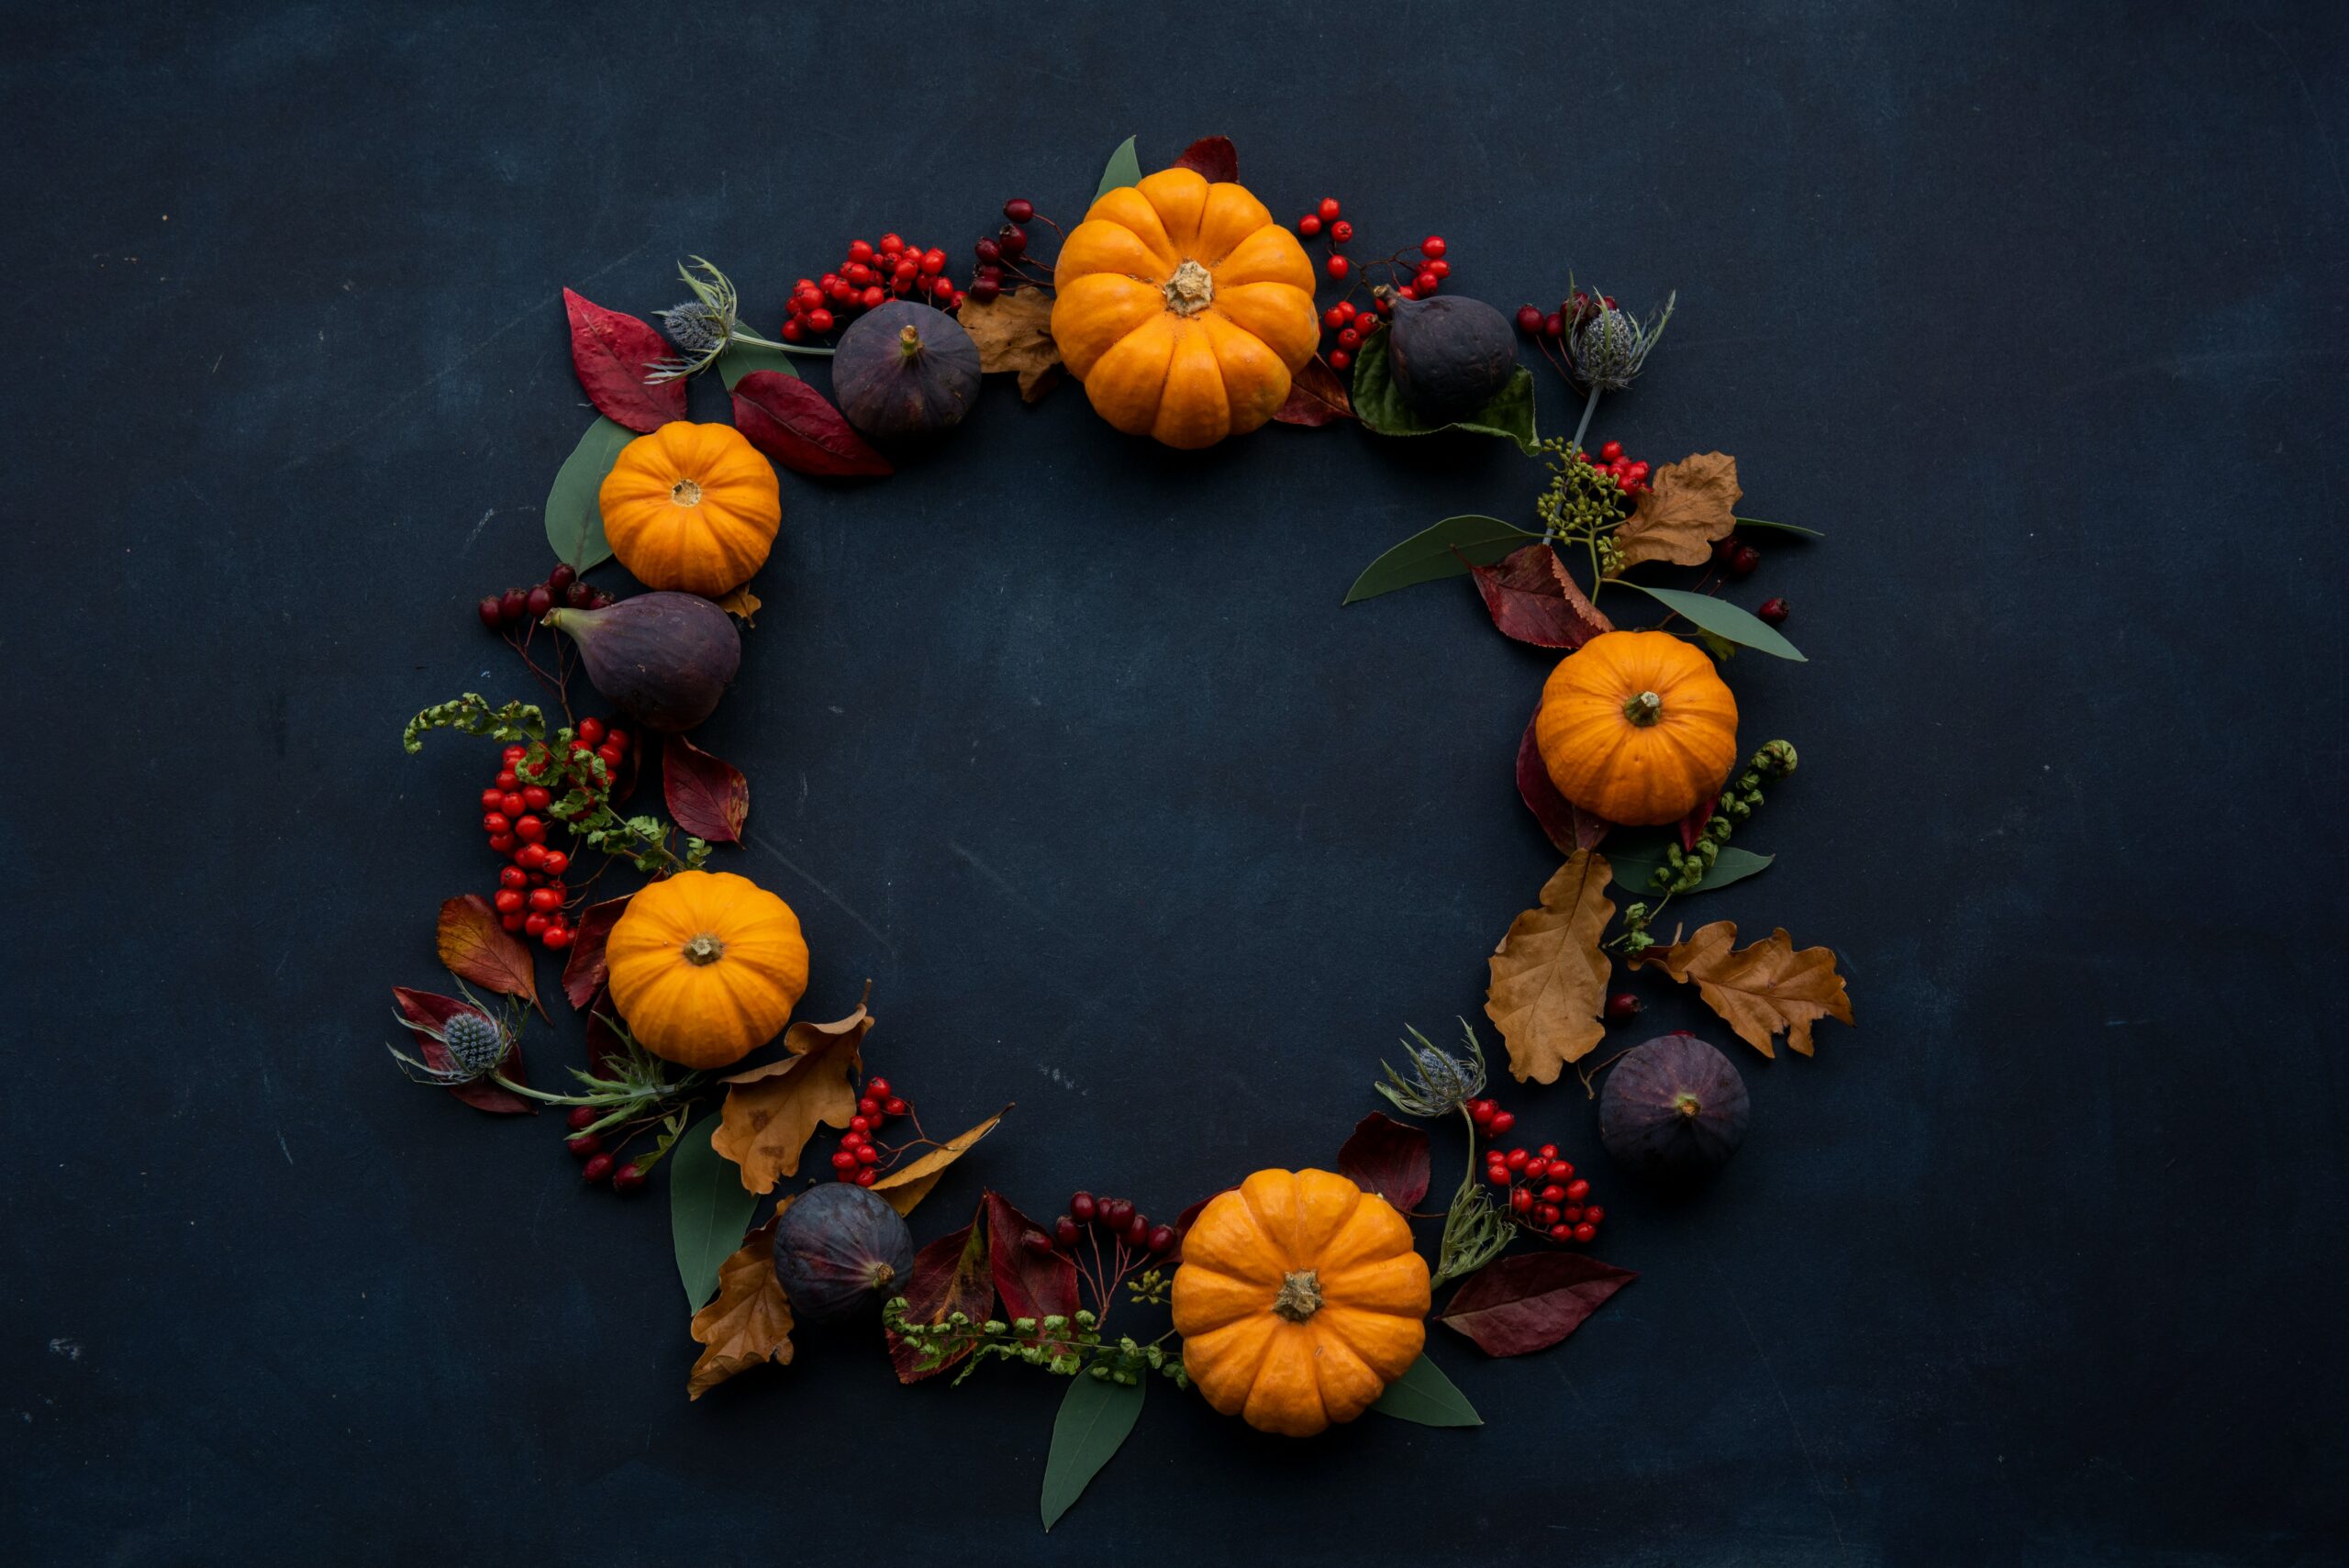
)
(1425, 1396)
(709, 1210)
(738, 359)
(1095, 1416)
(1632, 864)
(1123, 169)
(1781, 527)
(1447, 549)
(574, 519)
(1381, 407)
(1721, 618)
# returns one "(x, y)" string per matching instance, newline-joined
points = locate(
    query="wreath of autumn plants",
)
(1291, 1300)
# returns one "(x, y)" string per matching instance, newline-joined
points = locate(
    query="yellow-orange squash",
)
(1184, 308)
(1300, 1300)
(705, 967)
(1637, 728)
(692, 507)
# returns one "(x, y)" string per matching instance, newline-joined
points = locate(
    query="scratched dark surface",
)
(1066, 741)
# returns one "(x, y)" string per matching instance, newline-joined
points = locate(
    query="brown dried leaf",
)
(475, 946)
(1550, 974)
(1694, 502)
(750, 1322)
(1760, 990)
(910, 1182)
(744, 603)
(1014, 332)
(772, 1111)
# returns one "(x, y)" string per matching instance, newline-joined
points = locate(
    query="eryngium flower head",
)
(1435, 1082)
(1608, 346)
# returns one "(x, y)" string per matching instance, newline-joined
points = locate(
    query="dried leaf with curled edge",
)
(1014, 332)
(773, 1111)
(1550, 975)
(1759, 990)
(910, 1182)
(742, 603)
(749, 1322)
(1693, 502)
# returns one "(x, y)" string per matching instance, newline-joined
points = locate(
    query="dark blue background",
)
(1065, 740)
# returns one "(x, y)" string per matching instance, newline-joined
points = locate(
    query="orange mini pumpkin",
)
(706, 966)
(692, 507)
(1637, 726)
(1184, 308)
(1299, 1299)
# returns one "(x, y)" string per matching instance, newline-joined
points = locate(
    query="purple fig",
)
(662, 658)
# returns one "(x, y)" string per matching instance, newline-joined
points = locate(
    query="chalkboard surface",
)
(1066, 741)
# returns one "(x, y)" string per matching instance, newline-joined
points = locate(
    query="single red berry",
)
(511, 922)
(1725, 547)
(1773, 611)
(1573, 1213)
(853, 1139)
(1081, 1205)
(1577, 1190)
(1545, 1214)
(866, 1175)
(497, 821)
(1594, 1214)
(508, 901)
(867, 1155)
(1528, 319)
(1553, 1194)
(1340, 360)
(513, 876)
(512, 805)
(1013, 240)
(559, 937)
(1502, 1122)
(532, 855)
(987, 250)
(933, 261)
(1407, 292)
(538, 602)
(876, 1088)
(1438, 268)
(1564, 1170)
(1037, 1241)
(1348, 337)
(628, 1179)
(534, 925)
(819, 321)
(582, 1117)
(563, 576)
(1385, 306)
(1426, 283)
(1536, 1167)
(512, 605)
(501, 842)
(1138, 1231)
(1743, 561)
(492, 800)
(1554, 326)
(1019, 209)
(1586, 1231)
(1329, 208)
(1341, 232)
(1432, 247)
(1338, 267)
(1548, 1152)
(1620, 1006)
(598, 1171)
(492, 611)
(1064, 1231)
(530, 829)
(793, 332)
(894, 1105)
(1496, 1174)
(1310, 225)
(845, 1159)
(580, 594)
(1610, 451)
(1115, 1212)
(1516, 1158)
(537, 797)
(591, 730)
(869, 1108)
(1483, 1111)
(984, 290)
(1640, 471)
(545, 899)
(583, 1145)
(1161, 1239)
(1337, 315)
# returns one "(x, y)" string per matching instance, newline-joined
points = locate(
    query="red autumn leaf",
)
(1034, 1282)
(951, 1275)
(708, 795)
(613, 351)
(475, 946)
(1569, 826)
(1316, 397)
(1532, 1300)
(1692, 827)
(1212, 156)
(1530, 598)
(1390, 1158)
(583, 969)
(797, 425)
(421, 1010)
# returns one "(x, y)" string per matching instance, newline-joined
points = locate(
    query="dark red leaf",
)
(1316, 397)
(583, 969)
(1212, 156)
(1530, 598)
(612, 352)
(421, 1010)
(1692, 827)
(1569, 826)
(708, 795)
(1033, 1282)
(951, 1275)
(796, 426)
(474, 946)
(605, 1050)
(1390, 1158)
(1530, 1301)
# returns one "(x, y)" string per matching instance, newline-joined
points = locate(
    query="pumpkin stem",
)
(703, 949)
(1190, 289)
(685, 492)
(1644, 709)
(1300, 1295)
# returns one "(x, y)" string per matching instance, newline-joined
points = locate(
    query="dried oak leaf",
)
(475, 946)
(910, 1182)
(1693, 503)
(707, 796)
(1550, 974)
(1760, 990)
(1316, 397)
(1531, 599)
(750, 1322)
(1390, 1158)
(951, 1275)
(1014, 332)
(1568, 827)
(772, 1111)
(742, 603)
(1530, 1302)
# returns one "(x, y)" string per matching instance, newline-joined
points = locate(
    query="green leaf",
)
(1782, 527)
(738, 359)
(1632, 863)
(1427, 555)
(1381, 407)
(709, 1210)
(1093, 1422)
(1123, 169)
(1721, 618)
(574, 520)
(1424, 1395)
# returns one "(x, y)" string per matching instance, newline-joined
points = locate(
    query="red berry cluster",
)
(530, 892)
(859, 1158)
(868, 276)
(1426, 264)
(1544, 1195)
(596, 1166)
(1003, 255)
(519, 607)
(1630, 477)
(1114, 1217)
(1571, 313)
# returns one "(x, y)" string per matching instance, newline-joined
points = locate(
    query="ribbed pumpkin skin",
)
(1627, 772)
(1190, 367)
(712, 1014)
(1246, 1354)
(692, 507)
